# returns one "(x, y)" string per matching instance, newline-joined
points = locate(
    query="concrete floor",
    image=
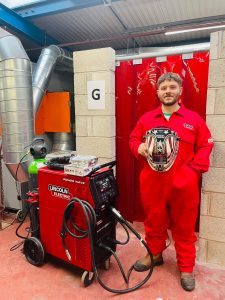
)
(57, 280)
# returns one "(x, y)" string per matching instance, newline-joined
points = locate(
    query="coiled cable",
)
(90, 218)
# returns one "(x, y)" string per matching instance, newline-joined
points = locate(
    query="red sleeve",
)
(136, 137)
(203, 148)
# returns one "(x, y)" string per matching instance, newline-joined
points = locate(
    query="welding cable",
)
(90, 218)
(89, 214)
(122, 221)
(116, 258)
(17, 169)
(58, 163)
(67, 217)
(127, 290)
(17, 231)
(16, 175)
(91, 226)
(120, 242)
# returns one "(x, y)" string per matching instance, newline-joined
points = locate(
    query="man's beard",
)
(170, 103)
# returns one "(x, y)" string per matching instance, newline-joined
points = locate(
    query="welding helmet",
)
(162, 146)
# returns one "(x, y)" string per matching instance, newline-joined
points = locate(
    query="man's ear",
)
(181, 90)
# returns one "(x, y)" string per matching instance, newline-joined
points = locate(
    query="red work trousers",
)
(171, 199)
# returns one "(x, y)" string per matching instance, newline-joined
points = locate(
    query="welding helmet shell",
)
(162, 146)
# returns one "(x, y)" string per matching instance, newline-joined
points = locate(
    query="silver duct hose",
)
(16, 95)
(15, 105)
(47, 61)
(63, 141)
(49, 58)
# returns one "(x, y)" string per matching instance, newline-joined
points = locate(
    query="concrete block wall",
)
(212, 219)
(95, 129)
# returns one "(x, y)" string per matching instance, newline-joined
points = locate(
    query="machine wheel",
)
(87, 278)
(34, 251)
(20, 215)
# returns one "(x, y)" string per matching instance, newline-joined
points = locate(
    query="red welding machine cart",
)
(50, 215)
(74, 219)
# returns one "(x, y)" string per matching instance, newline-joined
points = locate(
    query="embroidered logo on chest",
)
(210, 140)
(188, 126)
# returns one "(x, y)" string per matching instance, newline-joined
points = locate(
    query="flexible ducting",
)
(15, 105)
(19, 102)
(63, 141)
(47, 61)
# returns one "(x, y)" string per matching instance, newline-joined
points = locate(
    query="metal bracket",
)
(137, 61)
(188, 55)
(161, 58)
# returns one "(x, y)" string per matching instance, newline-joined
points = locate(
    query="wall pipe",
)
(157, 52)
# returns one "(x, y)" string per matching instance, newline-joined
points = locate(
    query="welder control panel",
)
(103, 187)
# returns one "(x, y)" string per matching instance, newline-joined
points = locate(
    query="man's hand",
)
(142, 150)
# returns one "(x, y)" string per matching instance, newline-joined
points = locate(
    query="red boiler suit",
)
(171, 198)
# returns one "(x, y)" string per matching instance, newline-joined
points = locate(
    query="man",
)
(174, 144)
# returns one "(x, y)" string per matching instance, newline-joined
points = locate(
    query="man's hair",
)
(169, 76)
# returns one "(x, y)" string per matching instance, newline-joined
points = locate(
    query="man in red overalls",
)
(175, 145)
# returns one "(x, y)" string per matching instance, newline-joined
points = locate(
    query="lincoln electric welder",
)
(74, 219)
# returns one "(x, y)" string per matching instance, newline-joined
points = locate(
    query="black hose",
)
(16, 176)
(17, 231)
(66, 217)
(120, 242)
(127, 290)
(90, 217)
(116, 258)
(58, 163)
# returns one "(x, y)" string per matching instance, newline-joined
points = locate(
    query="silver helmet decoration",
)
(162, 144)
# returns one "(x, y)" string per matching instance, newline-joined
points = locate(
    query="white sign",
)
(96, 94)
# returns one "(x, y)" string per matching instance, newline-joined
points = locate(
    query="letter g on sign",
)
(96, 94)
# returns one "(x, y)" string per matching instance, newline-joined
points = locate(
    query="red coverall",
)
(171, 198)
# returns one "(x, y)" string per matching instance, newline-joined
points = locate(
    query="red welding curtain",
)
(136, 94)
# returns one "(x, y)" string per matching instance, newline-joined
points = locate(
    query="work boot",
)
(144, 263)
(187, 281)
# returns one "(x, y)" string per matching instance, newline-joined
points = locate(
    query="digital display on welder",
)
(105, 184)
(103, 188)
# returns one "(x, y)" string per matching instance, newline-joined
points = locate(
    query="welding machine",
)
(77, 219)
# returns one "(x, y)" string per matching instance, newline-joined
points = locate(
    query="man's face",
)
(169, 92)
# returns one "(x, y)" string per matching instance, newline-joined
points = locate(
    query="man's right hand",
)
(142, 150)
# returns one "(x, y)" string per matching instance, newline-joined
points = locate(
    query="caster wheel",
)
(20, 215)
(34, 251)
(87, 278)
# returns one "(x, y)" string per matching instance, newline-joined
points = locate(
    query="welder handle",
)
(119, 217)
(109, 164)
